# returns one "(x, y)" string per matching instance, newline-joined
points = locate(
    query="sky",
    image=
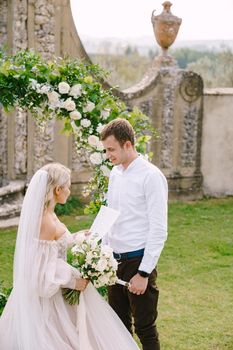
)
(201, 19)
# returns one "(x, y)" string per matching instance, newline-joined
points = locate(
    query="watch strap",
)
(143, 273)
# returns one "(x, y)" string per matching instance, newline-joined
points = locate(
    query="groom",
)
(138, 189)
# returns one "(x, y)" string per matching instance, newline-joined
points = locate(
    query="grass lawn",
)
(194, 274)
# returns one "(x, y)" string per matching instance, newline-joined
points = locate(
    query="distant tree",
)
(125, 71)
(135, 51)
(128, 50)
(151, 53)
(216, 72)
(184, 56)
(216, 68)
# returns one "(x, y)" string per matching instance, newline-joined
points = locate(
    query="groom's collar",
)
(132, 165)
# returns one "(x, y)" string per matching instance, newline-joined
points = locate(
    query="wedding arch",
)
(70, 90)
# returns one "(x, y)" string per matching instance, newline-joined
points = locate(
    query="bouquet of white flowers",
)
(94, 261)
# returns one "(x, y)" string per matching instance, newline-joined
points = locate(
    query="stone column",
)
(42, 25)
(13, 34)
(3, 119)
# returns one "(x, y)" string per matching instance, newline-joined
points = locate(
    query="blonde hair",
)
(58, 176)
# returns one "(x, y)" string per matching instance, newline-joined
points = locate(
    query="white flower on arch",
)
(96, 158)
(63, 87)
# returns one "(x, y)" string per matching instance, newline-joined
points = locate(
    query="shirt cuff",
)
(148, 263)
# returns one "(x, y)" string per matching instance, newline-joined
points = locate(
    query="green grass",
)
(195, 277)
(194, 274)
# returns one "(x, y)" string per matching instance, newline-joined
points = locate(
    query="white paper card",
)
(104, 220)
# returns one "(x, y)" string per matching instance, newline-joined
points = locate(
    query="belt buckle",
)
(118, 256)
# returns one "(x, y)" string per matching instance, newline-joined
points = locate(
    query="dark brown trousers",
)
(141, 308)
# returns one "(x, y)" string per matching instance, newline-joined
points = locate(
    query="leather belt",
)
(129, 255)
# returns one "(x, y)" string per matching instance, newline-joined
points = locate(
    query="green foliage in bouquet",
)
(71, 91)
(94, 261)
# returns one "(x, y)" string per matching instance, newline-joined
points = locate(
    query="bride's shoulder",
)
(48, 228)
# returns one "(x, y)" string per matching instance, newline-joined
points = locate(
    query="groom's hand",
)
(138, 284)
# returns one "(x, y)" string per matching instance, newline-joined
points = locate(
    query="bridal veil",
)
(24, 322)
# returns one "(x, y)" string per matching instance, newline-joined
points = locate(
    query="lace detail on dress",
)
(62, 244)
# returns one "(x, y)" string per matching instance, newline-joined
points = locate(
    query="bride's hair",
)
(58, 176)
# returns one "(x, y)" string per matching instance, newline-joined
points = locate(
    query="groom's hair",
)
(121, 129)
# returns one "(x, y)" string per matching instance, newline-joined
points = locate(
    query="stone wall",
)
(19, 35)
(3, 120)
(3, 21)
(171, 97)
(43, 40)
(3, 148)
(44, 34)
(217, 142)
(25, 147)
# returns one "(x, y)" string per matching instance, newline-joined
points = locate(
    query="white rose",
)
(114, 264)
(93, 244)
(63, 88)
(103, 280)
(53, 98)
(105, 114)
(105, 170)
(100, 128)
(44, 89)
(96, 158)
(100, 146)
(85, 123)
(75, 115)
(89, 107)
(76, 90)
(93, 140)
(101, 265)
(69, 104)
(106, 250)
(89, 257)
(80, 238)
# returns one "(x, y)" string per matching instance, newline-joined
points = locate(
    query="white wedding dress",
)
(91, 325)
(39, 318)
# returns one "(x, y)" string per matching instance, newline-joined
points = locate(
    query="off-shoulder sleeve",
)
(54, 272)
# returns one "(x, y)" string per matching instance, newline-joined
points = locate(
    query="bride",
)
(36, 317)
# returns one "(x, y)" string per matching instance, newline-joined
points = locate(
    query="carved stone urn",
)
(166, 27)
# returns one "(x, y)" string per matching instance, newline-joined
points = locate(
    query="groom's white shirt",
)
(140, 194)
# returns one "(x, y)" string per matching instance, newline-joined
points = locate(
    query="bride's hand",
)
(81, 284)
(85, 232)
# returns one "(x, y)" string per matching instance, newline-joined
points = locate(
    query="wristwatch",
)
(143, 273)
